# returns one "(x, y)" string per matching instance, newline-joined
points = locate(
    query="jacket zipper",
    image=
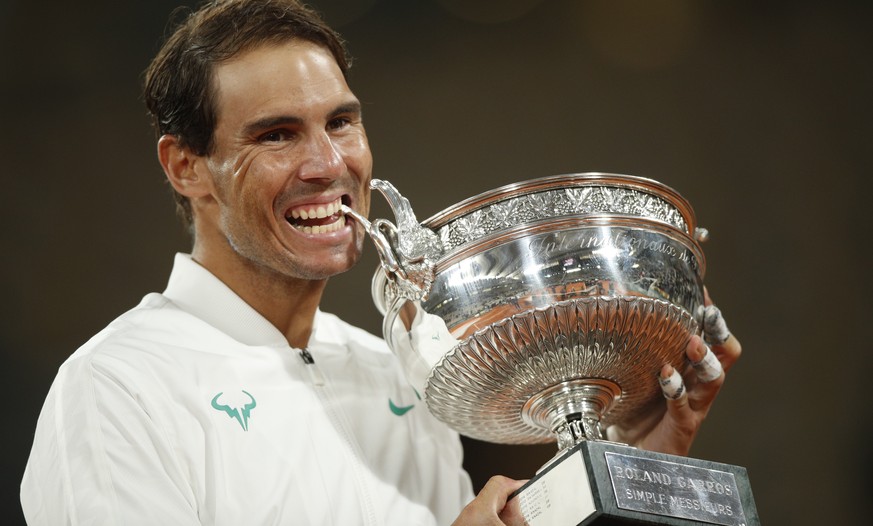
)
(315, 374)
(317, 378)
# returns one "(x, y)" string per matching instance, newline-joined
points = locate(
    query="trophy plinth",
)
(602, 483)
(543, 311)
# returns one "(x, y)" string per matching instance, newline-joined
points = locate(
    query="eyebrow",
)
(353, 107)
(253, 128)
(273, 121)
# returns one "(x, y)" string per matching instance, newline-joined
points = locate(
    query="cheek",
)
(356, 152)
(248, 200)
(264, 165)
(272, 166)
(266, 173)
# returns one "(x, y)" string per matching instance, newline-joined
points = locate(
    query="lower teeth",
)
(323, 229)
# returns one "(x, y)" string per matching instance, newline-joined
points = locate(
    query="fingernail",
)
(697, 352)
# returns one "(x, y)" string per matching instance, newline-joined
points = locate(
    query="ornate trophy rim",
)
(676, 213)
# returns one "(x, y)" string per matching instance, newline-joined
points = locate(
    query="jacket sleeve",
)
(98, 457)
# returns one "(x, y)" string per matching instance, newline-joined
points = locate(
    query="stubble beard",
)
(265, 261)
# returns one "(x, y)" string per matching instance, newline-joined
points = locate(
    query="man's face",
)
(290, 147)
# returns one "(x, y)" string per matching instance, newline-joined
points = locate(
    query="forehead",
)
(292, 76)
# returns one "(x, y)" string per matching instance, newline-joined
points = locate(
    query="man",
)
(230, 398)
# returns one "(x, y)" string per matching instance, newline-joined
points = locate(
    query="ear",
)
(185, 170)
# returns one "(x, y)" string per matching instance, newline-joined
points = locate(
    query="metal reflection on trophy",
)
(556, 302)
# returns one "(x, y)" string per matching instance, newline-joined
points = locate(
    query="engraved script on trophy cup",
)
(553, 303)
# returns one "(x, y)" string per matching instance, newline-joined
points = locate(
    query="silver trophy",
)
(543, 311)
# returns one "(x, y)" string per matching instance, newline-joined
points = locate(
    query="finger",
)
(715, 328)
(704, 367)
(486, 508)
(677, 427)
(724, 344)
(497, 490)
(705, 378)
(708, 367)
(680, 413)
(728, 352)
(671, 383)
(511, 515)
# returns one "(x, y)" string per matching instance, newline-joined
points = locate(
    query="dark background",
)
(758, 112)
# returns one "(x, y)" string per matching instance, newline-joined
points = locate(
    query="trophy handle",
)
(415, 243)
(408, 251)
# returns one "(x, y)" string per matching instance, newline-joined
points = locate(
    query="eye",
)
(275, 136)
(338, 123)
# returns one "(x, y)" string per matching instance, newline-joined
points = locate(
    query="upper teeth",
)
(318, 211)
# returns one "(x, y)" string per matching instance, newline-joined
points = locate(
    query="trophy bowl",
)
(564, 296)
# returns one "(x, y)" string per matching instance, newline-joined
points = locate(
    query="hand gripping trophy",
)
(542, 311)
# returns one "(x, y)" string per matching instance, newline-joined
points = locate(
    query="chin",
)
(327, 268)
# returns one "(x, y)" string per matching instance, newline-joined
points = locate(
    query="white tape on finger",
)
(673, 387)
(715, 329)
(709, 368)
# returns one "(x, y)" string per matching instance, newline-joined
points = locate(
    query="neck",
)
(288, 303)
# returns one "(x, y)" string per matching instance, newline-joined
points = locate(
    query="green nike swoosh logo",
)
(399, 411)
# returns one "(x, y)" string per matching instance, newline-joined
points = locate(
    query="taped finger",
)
(715, 329)
(708, 368)
(673, 387)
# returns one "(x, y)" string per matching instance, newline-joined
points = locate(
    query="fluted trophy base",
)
(604, 483)
(592, 360)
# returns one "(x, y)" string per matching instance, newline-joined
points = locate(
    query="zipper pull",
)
(309, 364)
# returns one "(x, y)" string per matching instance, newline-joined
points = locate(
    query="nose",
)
(322, 159)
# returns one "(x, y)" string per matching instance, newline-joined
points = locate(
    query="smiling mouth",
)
(317, 219)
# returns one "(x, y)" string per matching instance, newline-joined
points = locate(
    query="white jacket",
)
(193, 409)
